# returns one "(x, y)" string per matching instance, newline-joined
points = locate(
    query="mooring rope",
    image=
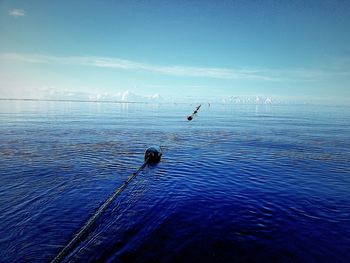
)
(65, 251)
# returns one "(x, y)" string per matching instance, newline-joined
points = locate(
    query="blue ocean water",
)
(239, 183)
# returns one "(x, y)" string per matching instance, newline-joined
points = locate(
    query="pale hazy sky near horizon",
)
(297, 50)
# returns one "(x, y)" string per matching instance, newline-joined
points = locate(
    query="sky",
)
(182, 50)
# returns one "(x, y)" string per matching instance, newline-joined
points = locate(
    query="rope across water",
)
(152, 154)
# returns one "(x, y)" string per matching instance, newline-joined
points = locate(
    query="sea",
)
(238, 183)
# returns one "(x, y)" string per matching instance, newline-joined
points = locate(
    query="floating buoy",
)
(153, 154)
(189, 118)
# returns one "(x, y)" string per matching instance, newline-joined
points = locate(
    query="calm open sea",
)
(239, 183)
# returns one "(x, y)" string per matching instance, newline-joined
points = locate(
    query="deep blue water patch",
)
(239, 183)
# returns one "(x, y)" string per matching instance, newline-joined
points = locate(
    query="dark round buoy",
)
(153, 154)
(189, 118)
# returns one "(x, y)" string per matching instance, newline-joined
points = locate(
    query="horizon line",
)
(181, 103)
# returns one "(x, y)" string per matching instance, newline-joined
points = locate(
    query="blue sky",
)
(294, 50)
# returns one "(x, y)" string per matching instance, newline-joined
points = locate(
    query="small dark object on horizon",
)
(153, 154)
(189, 118)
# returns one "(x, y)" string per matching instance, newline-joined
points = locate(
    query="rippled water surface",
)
(236, 184)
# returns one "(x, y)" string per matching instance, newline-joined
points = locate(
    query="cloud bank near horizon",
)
(17, 13)
(51, 93)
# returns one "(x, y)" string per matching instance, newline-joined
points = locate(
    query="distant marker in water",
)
(190, 118)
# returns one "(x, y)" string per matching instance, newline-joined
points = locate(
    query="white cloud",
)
(55, 93)
(17, 13)
(262, 74)
(105, 62)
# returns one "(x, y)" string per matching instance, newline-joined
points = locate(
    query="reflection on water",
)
(247, 183)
